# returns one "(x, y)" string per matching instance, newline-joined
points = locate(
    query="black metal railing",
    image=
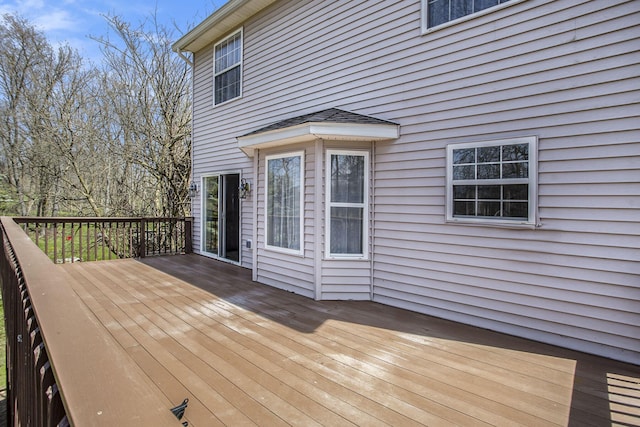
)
(67, 240)
(63, 367)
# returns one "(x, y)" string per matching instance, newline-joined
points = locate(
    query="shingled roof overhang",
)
(224, 20)
(331, 124)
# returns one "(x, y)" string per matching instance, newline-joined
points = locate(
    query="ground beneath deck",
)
(248, 354)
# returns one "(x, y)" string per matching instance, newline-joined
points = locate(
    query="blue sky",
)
(73, 21)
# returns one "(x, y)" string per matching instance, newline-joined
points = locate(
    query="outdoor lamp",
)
(244, 189)
(193, 189)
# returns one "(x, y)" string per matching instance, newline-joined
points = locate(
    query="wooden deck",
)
(248, 354)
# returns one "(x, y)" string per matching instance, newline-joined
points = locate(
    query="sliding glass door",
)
(221, 216)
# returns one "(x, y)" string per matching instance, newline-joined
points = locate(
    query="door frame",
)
(203, 214)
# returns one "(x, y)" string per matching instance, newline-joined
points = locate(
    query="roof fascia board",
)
(226, 19)
(317, 130)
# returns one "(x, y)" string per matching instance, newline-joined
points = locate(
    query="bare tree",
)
(23, 54)
(150, 93)
(81, 140)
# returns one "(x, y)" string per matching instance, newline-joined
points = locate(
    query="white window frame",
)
(300, 251)
(364, 205)
(241, 64)
(531, 181)
(425, 15)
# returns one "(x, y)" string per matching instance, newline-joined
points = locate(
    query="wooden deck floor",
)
(248, 354)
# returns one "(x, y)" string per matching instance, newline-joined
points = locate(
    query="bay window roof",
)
(330, 124)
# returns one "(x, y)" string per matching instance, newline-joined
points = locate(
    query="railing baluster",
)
(102, 238)
(143, 238)
(90, 239)
(95, 241)
(107, 239)
(71, 242)
(62, 239)
(55, 242)
(80, 241)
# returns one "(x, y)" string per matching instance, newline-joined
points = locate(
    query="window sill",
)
(346, 258)
(494, 223)
(292, 252)
(228, 101)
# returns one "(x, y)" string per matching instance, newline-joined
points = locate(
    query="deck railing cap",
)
(99, 382)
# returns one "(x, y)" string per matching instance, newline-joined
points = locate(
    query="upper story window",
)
(493, 182)
(347, 202)
(284, 213)
(228, 68)
(439, 12)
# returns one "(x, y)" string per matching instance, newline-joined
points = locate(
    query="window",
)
(284, 202)
(228, 69)
(439, 12)
(347, 201)
(492, 181)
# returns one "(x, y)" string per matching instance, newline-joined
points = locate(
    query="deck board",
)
(249, 354)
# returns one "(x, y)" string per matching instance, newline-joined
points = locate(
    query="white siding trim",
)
(308, 132)
(254, 243)
(318, 219)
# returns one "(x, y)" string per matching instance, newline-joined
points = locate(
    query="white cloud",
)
(55, 20)
(30, 4)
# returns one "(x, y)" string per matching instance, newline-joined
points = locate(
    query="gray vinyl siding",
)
(290, 272)
(215, 150)
(566, 71)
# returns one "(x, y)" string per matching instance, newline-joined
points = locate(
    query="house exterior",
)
(478, 162)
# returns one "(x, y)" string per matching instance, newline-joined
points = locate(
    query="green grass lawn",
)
(81, 242)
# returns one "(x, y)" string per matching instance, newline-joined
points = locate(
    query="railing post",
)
(143, 236)
(188, 239)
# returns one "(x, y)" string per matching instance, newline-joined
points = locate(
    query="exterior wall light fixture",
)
(244, 189)
(193, 189)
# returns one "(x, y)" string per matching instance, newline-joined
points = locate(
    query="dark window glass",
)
(441, 11)
(438, 12)
(515, 152)
(489, 171)
(466, 155)
(488, 154)
(346, 230)
(516, 210)
(459, 8)
(227, 69)
(464, 208)
(464, 172)
(516, 192)
(347, 178)
(489, 208)
(227, 85)
(515, 170)
(489, 191)
(464, 191)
